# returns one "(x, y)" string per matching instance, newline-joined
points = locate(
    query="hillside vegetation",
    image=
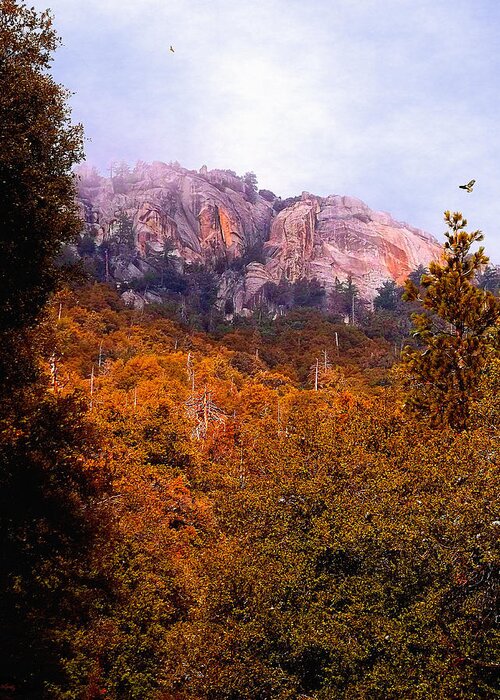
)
(251, 536)
(192, 509)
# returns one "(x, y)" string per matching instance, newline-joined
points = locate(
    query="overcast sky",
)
(393, 101)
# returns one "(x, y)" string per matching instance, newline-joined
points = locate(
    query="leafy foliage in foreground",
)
(52, 530)
(38, 147)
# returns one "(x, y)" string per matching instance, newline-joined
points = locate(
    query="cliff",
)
(218, 220)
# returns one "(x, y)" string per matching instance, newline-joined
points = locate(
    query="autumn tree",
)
(353, 562)
(313, 544)
(454, 330)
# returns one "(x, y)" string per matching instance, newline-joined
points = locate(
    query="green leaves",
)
(38, 147)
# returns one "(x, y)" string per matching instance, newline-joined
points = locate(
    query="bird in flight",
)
(468, 186)
(172, 48)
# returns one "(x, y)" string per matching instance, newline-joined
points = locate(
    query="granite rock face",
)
(213, 218)
(201, 219)
(336, 237)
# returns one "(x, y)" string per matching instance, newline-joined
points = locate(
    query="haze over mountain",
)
(253, 240)
(322, 96)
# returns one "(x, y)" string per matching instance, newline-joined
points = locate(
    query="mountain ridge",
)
(251, 238)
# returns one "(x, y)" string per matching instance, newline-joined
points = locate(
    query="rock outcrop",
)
(337, 237)
(201, 220)
(216, 219)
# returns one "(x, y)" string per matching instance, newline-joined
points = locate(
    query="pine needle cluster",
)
(456, 333)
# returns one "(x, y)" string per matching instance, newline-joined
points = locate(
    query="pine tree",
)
(388, 297)
(251, 188)
(125, 232)
(455, 331)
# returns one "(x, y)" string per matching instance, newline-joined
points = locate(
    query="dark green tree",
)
(38, 147)
(251, 188)
(345, 300)
(416, 275)
(48, 503)
(390, 317)
(388, 296)
(280, 294)
(308, 293)
(455, 330)
(86, 245)
(120, 177)
(124, 235)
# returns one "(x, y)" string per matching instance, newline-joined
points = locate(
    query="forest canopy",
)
(269, 508)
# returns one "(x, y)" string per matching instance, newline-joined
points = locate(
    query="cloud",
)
(395, 107)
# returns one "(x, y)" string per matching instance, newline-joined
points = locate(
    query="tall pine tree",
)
(455, 331)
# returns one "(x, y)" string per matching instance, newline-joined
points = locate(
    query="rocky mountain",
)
(158, 214)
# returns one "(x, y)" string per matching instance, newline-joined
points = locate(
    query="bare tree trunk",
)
(99, 361)
(92, 388)
(53, 373)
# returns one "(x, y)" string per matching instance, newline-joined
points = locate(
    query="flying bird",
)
(172, 48)
(468, 186)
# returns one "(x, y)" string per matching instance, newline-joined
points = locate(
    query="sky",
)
(396, 102)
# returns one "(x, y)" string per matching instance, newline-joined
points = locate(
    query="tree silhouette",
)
(38, 147)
